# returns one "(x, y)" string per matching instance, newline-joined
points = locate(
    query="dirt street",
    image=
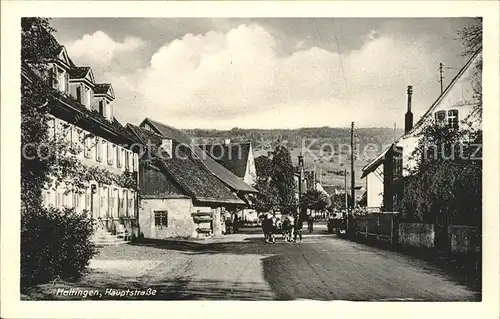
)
(243, 267)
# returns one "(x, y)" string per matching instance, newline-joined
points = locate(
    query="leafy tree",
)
(283, 178)
(363, 201)
(338, 201)
(54, 242)
(263, 166)
(315, 200)
(268, 198)
(446, 183)
(275, 182)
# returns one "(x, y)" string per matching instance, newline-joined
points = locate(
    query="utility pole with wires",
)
(345, 189)
(441, 72)
(441, 75)
(352, 166)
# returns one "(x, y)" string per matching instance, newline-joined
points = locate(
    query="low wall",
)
(465, 239)
(416, 235)
(377, 225)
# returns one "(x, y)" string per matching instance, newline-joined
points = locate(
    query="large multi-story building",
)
(82, 114)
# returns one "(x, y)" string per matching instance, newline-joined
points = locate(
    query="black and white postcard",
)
(316, 158)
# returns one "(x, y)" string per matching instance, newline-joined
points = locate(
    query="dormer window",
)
(59, 78)
(104, 95)
(82, 82)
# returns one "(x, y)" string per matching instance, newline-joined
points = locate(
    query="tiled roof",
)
(101, 88)
(233, 181)
(187, 170)
(232, 156)
(78, 72)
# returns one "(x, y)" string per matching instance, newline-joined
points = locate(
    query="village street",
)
(242, 267)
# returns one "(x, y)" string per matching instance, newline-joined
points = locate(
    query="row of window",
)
(449, 117)
(93, 147)
(106, 202)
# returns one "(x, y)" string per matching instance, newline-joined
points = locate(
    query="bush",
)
(55, 243)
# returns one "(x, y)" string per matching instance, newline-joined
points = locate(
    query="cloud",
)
(101, 52)
(236, 78)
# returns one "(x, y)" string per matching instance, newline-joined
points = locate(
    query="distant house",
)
(179, 195)
(239, 159)
(236, 157)
(454, 107)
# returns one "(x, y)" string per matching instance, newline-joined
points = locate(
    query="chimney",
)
(166, 146)
(409, 114)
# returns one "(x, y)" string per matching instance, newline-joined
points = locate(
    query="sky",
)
(267, 72)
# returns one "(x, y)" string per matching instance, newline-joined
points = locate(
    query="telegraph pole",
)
(441, 65)
(352, 165)
(345, 189)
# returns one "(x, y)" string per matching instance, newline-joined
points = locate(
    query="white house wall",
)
(460, 97)
(375, 189)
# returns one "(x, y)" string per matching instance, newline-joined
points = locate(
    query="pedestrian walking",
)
(298, 224)
(310, 222)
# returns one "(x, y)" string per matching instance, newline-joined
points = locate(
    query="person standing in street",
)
(297, 229)
(310, 222)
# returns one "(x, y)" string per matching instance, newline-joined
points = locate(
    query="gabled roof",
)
(81, 72)
(370, 167)
(104, 89)
(186, 170)
(232, 156)
(68, 103)
(63, 56)
(226, 176)
(442, 95)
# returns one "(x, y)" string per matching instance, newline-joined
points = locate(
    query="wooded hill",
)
(327, 148)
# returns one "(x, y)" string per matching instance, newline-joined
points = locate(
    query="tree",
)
(54, 242)
(446, 183)
(472, 42)
(338, 201)
(263, 166)
(283, 178)
(275, 182)
(268, 198)
(472, 37)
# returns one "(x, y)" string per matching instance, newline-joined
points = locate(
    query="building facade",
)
(82, 115)
(180, 197)
(454, 107)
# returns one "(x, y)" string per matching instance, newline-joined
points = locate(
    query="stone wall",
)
(180, 221)
(416, 235)
(465, 239)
